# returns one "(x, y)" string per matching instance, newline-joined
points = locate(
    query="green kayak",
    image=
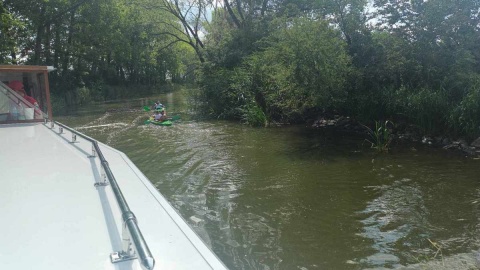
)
(158, 123)
(163, 123)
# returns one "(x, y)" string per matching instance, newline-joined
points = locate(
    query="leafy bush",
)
(83, 95)
(425, 107)
(223, 92)
(58, 104)
(465, 117)
(305, 66)
(253, 115)
(302, 66)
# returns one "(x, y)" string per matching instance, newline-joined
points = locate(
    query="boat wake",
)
(114, 125)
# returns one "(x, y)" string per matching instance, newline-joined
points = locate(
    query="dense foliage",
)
(97, 47)
(414, 61)
(263, 61)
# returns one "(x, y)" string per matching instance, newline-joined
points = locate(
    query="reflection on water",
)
(296, 198)
(386, 219)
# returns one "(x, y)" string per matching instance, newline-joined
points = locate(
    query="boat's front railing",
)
(130, 227)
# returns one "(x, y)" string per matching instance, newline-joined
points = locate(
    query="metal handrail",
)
(146, 258)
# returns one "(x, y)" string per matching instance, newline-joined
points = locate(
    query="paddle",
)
(174, 118)
(146, 108)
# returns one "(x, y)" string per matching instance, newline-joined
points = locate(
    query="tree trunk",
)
(66, 52)
(48, 55)
(57, 49)
(264, 7)
(14, 58)
(38, 39)
(232, 14)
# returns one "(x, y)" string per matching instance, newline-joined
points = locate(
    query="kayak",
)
(163, 123)
(158, 123)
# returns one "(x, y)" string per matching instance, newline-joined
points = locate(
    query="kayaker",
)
(157, 116)
(163, 114)
(158, 105)
(160, 115)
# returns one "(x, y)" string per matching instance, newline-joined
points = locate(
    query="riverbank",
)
(402, 133)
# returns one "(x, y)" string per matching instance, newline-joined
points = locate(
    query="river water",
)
(294, 197)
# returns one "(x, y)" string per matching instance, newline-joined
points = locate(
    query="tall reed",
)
(381, 136)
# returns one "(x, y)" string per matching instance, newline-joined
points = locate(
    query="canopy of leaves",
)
(116, 42)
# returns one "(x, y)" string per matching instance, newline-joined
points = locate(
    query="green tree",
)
(305, 68)
(10, 35)
(301, 68)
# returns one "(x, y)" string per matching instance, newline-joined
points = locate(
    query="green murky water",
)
(298, 198)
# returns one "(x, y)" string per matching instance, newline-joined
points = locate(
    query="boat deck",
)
(53, 217)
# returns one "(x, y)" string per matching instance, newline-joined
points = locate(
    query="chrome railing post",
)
(127, 241)
(103, 175)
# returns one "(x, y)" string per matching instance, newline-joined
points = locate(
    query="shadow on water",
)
(298, 198)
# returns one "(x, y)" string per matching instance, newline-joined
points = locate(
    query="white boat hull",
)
(53, 217)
